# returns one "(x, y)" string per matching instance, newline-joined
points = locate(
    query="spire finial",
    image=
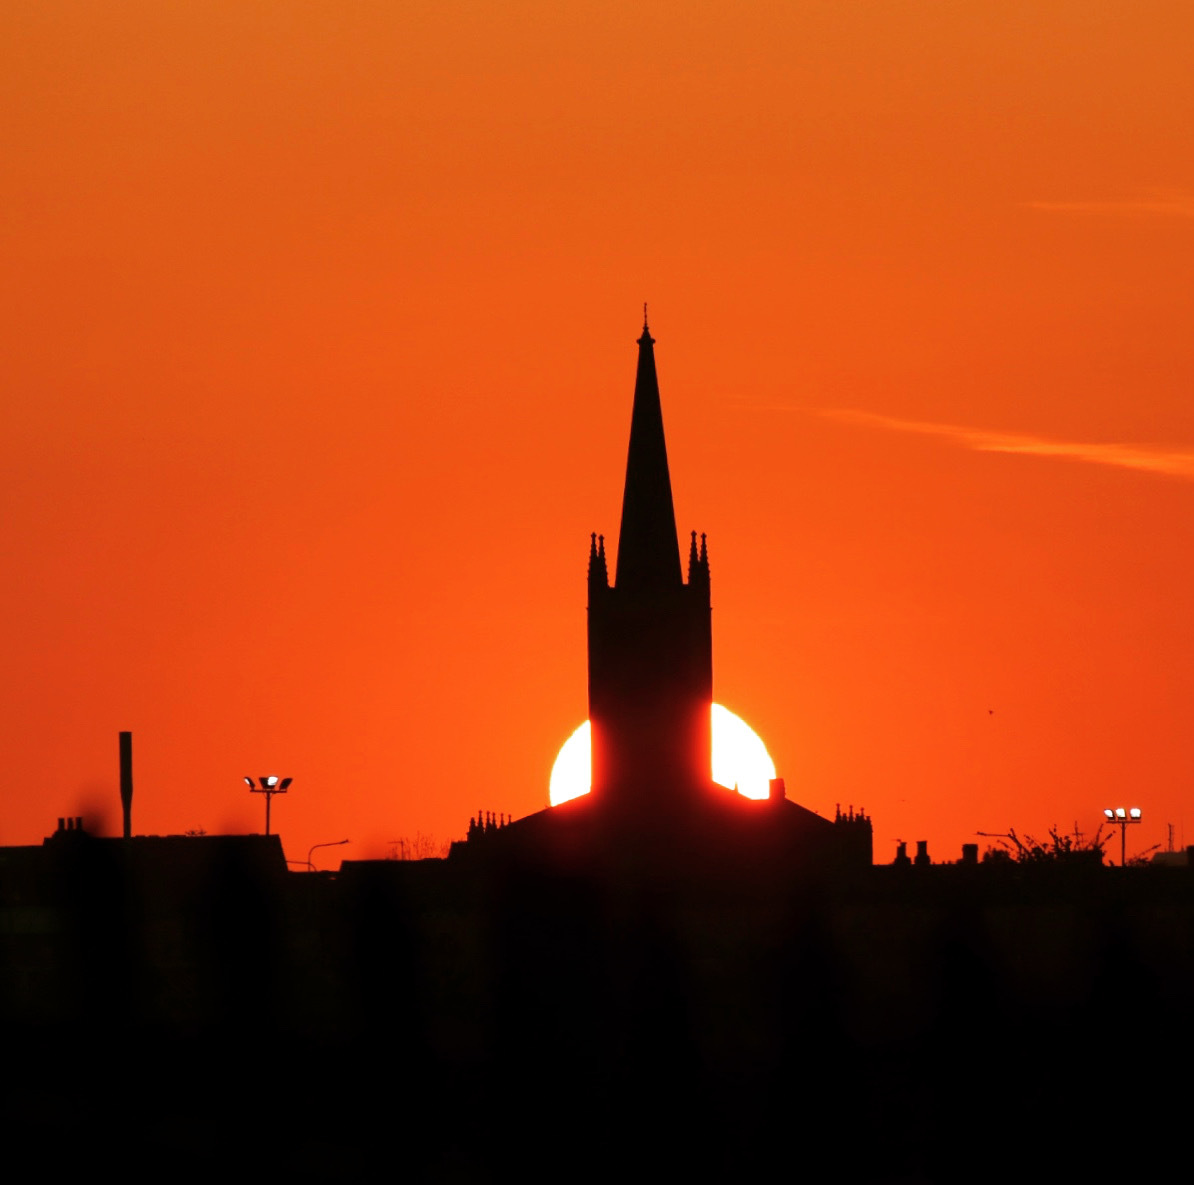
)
(646, 338)
(598, 572)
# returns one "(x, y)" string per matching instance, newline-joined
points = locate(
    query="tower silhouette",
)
(650, 635)
(653, 802)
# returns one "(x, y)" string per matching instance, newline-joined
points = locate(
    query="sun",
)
(739, 759)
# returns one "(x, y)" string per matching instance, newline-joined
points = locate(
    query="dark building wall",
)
(895, 1018)
(650, 694)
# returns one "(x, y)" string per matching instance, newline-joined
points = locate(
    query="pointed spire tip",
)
(646, 337)
(648, 550)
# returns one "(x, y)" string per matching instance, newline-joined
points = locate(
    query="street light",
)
(334, 843)
(269, 785)
(1121, 817)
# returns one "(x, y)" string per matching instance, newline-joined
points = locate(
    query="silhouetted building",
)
(653, 798)
(650, 636)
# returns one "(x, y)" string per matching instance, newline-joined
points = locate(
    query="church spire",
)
(648, 551)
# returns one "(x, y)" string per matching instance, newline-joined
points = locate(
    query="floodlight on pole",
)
(1122, 817)
(269, 785)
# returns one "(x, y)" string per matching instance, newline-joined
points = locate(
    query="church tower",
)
(650, 637)
(653, 803)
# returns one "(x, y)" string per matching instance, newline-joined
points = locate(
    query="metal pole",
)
(268, 799)
(126, 782)
(333, 843)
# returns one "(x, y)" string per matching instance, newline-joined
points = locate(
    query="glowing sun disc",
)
(739, 759)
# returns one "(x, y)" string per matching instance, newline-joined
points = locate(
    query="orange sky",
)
(317, 352)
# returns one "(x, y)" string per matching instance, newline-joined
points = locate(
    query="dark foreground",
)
(418, 1021)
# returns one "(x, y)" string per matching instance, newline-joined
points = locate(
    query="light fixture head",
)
(249, 783)
(1120, 813)
(1109, 812)
(1135, 812)
(285, 782)
(271, 781)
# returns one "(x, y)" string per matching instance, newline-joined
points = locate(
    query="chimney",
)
(126, 781)
(922, 852)
(970, 853)
(776, 790)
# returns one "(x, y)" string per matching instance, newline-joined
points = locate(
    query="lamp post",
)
(334, 843)
(1121, 817)
(269, 785)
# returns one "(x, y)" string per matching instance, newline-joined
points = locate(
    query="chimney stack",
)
(126, 781)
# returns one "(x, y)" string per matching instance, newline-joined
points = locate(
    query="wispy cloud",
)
(1165, 203)
(1149, 458)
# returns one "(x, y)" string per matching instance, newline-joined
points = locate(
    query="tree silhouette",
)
(1057, 849)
